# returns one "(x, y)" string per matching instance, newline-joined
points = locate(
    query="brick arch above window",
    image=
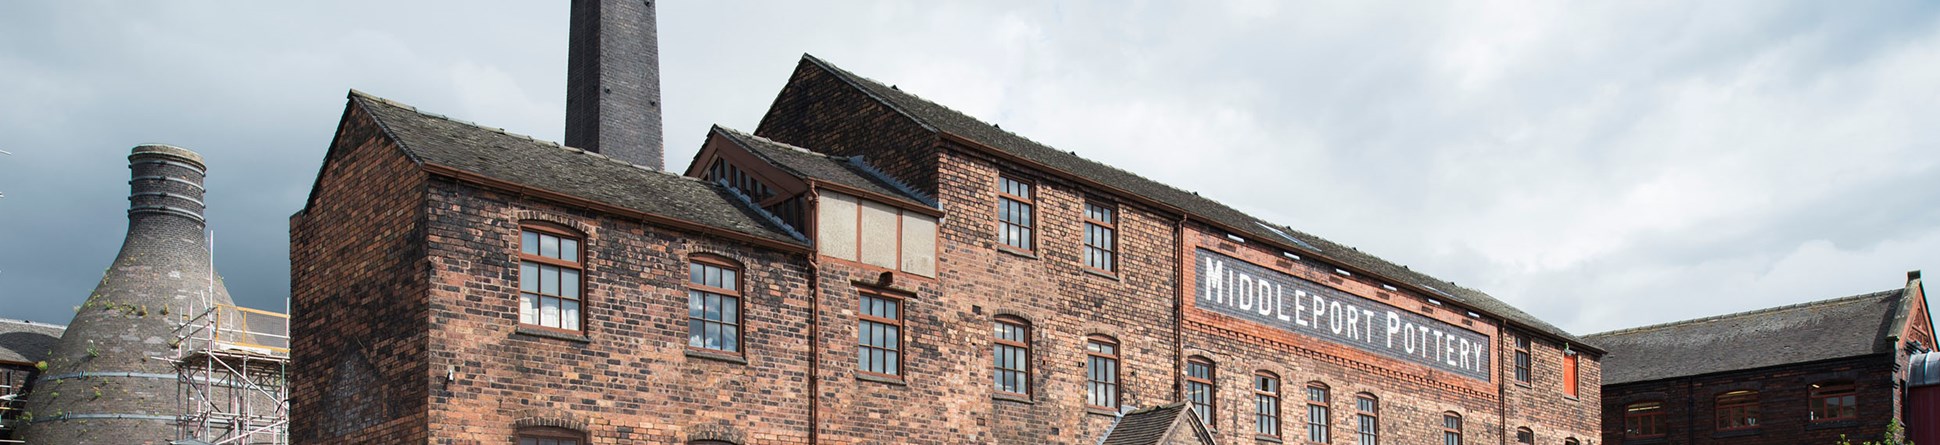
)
(576, 224)
(716, 258)
(714, 435)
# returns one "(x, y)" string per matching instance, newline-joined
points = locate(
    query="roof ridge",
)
(1825, 302)
(783, 144)
(31, 323)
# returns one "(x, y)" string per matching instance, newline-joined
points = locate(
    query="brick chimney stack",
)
(613, 81)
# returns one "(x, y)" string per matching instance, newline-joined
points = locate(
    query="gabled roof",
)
(24, 341)
(1156, 426)
(493, 154)
(945, 120)
(843, 171)
(1820, 330)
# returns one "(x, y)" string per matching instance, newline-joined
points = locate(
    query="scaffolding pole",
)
(233, 365)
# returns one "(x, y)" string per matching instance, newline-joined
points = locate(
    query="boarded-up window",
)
(875, 234)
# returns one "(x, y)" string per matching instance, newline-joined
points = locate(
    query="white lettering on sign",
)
(1237, 288)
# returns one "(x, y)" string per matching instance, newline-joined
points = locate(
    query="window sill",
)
(1006, 248)
(1828, 424)
(716, 356)
(1523, 384)
(1753, 431)
(1266, 439)
(1013, 398)
(881, 379)
(1099, 272)
(1101, 411)
(552, 334)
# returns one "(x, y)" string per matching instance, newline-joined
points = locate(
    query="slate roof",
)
(494, 153)
(1820, 330)
(1151, 426)
(845, 171)
(24, 341)
(940, 118)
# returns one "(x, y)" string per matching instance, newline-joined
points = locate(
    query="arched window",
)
(1367, 416)
(1524, 435)
(1011, 352)
(1451, 428)
(1737, 410)
(1266, 403)
(1643, 420)
(550, 436)
(550, 277)
(1200, 384)
(1319, 416)
(714, 304)
(1834, 401)
(1101, 372)
(1571, 441)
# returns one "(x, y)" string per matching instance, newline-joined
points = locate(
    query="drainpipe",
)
(814, 328)
(1178, 307)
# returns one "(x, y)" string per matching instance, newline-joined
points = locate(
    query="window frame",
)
(1655, 415)
(1367, 416)
(561, 232)
(997, 343)
(1744, 402)
(1525, 435)
(1524, 362)
(1323, 430)
(1117, 369)
(1572, 384)
(548, 432)
(1029, 202)
(1211, 382)
(901, 331)
(1266, 391)
(740, 300)
(1110, 231)
(1452, 428)
(1822, 391)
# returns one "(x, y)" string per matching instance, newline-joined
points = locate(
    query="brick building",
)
(1805, 373)
(866, 267)
(23, 345)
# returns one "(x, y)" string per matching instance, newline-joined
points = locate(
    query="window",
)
(1014, 218)
(1833, 401)
(1368, 418)
(1101, 237)
(1318, 417)
(550, 436)
(1522, 358)
(1451, 429)
(549, 278)
(1101, 372)
(1737, 410)
(713, 305)
(1199, 388)
(1266, 403)
(1643, 420)
(1569, 373)
(1571, 441)
(879, 335)
(1524, 435)
(1012, 356)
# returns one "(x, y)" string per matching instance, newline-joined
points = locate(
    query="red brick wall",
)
(357, 288)
(817, 110)
(1783, 403)
(630, 380)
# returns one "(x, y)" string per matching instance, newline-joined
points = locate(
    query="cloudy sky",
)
(1599, 164)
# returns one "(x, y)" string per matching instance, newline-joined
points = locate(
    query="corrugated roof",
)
(850, 172)
(944, 119)
(497, 154)
(1820, 330)
(24, 341)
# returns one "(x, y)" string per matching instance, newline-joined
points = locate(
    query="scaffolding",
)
(233, 368)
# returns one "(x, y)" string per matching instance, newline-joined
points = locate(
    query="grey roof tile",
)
(944, 119)
(850, 172)
(1151, 426)
(25, 341)
(494, 153)
(1820, 330)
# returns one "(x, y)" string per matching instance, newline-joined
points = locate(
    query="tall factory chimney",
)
(613, 81)
(110, 379)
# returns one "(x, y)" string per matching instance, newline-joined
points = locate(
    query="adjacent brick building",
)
(866, 267)
(1805, 373)
(23, 345)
